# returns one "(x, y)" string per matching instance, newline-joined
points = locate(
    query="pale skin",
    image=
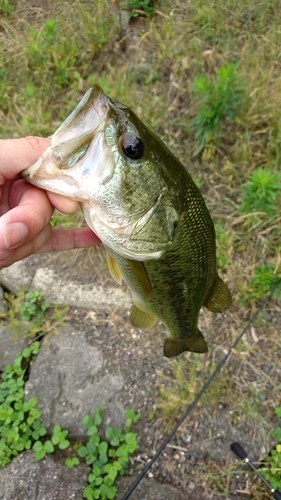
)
(25, 210)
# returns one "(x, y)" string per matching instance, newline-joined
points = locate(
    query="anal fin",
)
(196, 343)
(141, 319)
(219, 299)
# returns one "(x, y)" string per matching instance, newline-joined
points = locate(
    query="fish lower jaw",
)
(127, 253)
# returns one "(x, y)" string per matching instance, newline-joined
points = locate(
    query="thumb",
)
(18, 154)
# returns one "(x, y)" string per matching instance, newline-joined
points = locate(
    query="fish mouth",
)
(62, 167)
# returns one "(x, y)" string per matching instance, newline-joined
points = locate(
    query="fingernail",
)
(14, 234)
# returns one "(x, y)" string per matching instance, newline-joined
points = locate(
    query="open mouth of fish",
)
(64, 166)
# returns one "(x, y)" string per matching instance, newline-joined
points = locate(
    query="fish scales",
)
(182, 278)
(146, 209)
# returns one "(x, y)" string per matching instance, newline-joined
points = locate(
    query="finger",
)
(62, 203)
(29, 215)
(18, 154)
(5, 195)
(66, 239)
(26, 249)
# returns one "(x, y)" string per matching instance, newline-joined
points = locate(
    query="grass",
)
(168, 66)
(219, 100)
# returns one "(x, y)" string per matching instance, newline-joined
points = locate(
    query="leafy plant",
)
(21, 429)
(49, 50)
(33, 305)
(107, 458)
(179, 390)
(58, 439)
(20, 425)
(30, 314)
(218, 102)
(138, 7)
(262, 191)
(263, 281)
(96, 31)
(272, 469)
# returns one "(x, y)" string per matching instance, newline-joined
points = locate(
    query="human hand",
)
(25, 210)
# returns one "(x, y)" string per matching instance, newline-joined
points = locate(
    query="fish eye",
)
(132, 146)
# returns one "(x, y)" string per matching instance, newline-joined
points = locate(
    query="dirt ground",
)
(238, 406)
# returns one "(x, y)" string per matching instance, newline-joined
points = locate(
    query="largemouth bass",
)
(146, 209)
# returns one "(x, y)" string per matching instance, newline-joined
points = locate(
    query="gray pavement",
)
(99, 361)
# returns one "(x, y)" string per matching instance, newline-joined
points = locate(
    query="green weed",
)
(33, 305)
(218, 102)
(261, 217)
(42, 58)
(261, 192)
(42, 448)
(139, 7)
(263, 281)
(20, 424)
(51, 52)
(272, 468)
(21, 429)
(107, 458)
(7, 7)
(30, 314)
(178, 391)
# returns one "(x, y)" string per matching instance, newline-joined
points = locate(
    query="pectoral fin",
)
(219, 299)
(114, 269)
(141, 319)
(141, 276)
(173, 347)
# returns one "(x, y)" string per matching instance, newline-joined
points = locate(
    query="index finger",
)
(67, 239)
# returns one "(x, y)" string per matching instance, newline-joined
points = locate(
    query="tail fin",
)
(219, 299)
(173, 347)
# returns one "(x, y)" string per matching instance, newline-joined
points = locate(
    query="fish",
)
(146, 209)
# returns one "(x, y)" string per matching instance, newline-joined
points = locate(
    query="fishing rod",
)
(240, 452)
